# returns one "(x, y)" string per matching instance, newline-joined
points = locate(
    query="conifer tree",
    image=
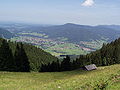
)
(7, 62)
(117, 54)
(66, 64)
(21, 59)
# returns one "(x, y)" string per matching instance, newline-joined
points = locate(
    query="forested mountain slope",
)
(109, 54)
(35, 56)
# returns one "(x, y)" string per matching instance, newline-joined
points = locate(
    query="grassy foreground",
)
(107, 78)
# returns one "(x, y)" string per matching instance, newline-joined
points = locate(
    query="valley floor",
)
(104, 78)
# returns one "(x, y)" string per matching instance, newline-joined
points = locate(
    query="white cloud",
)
(88, 3)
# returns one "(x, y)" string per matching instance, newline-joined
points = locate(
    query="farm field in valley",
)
(60, 45)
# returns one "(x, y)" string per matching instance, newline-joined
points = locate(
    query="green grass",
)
(65, 49)
(107, 78)
(52, 46)
(94, 44)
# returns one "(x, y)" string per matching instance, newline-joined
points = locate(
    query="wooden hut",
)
(90, 67)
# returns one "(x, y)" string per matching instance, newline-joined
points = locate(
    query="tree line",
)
(17, 62)
(22, 57)
(109, 54)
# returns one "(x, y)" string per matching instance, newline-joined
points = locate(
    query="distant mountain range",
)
(115, 27)
(73, 32)
(77, 33)
(5, 33)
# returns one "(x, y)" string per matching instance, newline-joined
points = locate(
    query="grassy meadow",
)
(107, 78)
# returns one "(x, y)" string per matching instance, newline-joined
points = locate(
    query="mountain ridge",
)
(5, 33)
(80, 32)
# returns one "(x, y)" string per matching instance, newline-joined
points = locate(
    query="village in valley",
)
(57, 46)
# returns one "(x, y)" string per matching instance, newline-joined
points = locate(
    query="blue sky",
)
(61, 11)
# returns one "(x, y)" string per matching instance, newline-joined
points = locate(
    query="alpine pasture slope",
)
(107, 78)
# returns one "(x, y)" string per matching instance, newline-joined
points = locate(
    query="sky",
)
(87, 12)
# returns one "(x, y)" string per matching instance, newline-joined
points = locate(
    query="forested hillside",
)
(109, 54)
(15, 56)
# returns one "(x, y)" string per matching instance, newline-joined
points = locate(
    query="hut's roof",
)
(91, 67)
